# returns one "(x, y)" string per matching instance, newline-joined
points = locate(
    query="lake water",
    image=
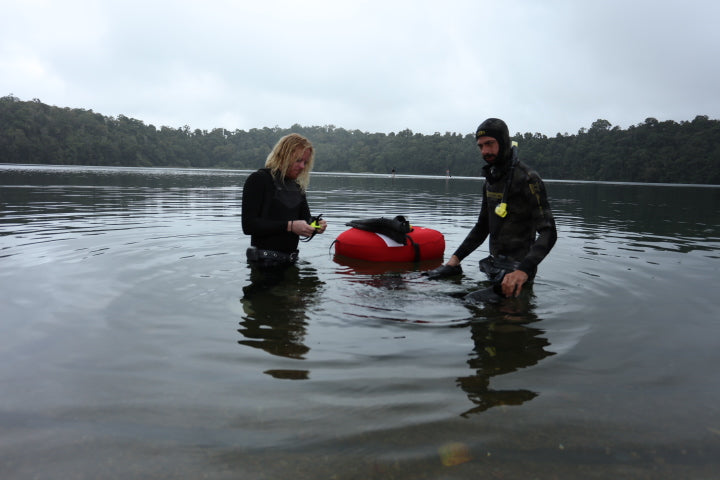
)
(129, 350)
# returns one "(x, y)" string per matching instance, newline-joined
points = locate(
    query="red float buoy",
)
(420, 244)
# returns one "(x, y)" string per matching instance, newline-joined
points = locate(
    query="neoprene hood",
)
(497, 129)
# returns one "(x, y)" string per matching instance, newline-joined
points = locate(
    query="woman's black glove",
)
(443, 271)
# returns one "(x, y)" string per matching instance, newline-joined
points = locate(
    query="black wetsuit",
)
(268, 204)
(528, 232)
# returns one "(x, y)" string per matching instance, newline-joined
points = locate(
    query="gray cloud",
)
(547, 67)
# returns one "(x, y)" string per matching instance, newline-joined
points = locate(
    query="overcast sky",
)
(544, 66)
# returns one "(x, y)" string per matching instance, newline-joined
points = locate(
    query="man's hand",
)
(444, 271)
(512, 283)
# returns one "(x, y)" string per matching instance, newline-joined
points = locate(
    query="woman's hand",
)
(304, 229)
(301, 228)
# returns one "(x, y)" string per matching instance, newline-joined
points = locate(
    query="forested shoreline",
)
(32, 132)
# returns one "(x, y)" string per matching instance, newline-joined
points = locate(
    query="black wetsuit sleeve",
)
(305, 210)
(478, 234)
(544, 224)
(257, 192)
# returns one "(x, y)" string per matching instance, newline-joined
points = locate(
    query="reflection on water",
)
(276, 303)
(503, 340)
(640, 216)
(134, 330)
(388, 275)
(503, 343)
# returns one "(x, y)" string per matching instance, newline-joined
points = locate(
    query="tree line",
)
(32, 132)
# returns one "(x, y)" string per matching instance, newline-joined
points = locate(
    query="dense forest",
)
(35, 133)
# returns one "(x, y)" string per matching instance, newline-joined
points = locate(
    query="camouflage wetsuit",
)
(528, 232)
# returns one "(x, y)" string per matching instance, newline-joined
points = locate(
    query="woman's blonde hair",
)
(286, 151)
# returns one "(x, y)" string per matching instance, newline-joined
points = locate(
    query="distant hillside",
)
(652, 151)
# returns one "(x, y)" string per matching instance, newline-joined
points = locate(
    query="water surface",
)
(137, 344)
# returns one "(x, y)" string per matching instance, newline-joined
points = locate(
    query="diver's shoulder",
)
(528, 171)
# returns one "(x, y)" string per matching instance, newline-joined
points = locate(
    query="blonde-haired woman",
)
(275, 211)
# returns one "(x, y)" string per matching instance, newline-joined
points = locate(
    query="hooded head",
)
(497, 129)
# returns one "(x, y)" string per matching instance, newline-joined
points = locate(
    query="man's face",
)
(489, 147)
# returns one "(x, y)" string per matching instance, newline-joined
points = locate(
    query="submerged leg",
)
(486, 295)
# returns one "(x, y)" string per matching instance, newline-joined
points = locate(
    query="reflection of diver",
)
(504, 343)
(275, 303)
